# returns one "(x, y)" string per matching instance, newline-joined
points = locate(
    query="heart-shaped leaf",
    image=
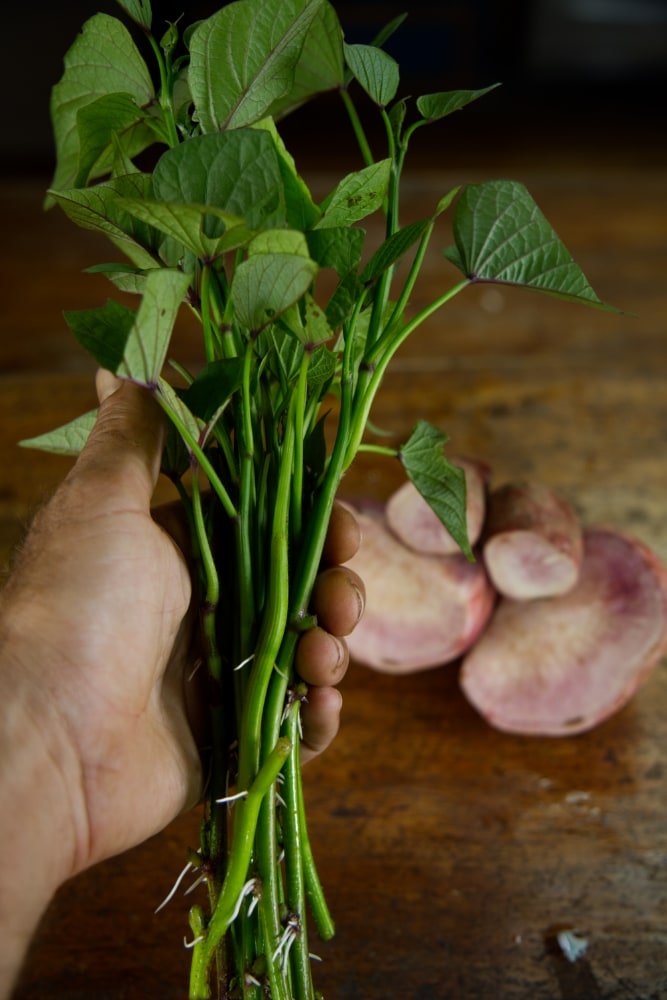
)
(320, 66)
(502, 236)
(435, 106)
(266, 285)
(103, 60)
(374, 70)
(358, 195)
(237, 172)
(66, 440)
(441, 484)
(243, 59)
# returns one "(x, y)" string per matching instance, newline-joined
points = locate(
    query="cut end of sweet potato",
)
(560, 666)
(533, 542)
(421, 611)
(415, 524)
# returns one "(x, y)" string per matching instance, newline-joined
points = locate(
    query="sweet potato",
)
(561, 665)
(421, 611)
(532, 542)
(414, 523)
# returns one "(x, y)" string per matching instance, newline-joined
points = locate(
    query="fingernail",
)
(106, 384)
(361, 600)
(340, 652)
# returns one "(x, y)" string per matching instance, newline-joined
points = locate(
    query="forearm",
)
(35, 829)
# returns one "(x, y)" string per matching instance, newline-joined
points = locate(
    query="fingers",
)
(338, 600)
(343, 536)
(321, 658)
(125, 446)
(321, 719)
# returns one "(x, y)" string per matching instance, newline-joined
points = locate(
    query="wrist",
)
(38, 785)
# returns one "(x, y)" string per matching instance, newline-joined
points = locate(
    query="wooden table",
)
(451, 853)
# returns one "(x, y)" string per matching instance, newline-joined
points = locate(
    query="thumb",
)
(121, 458)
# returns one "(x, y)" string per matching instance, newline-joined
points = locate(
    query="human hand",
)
(97, 625)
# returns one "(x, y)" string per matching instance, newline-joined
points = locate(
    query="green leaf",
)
(214, 385)
(243, 59)
(133, 344)
(97, 123)
(343, 300)
(301, 210)
(265, 285)
(175, 458)
(279, 241)
(139, 11)
(446, 201)
(66, 440)
(358, 195)
(435, 106)
(285, 355)
(441, 484)
(502, 236)
(103, 60)
(97, 209)
(321, 369)
(237, 172)
(377, 72)
(173, 403)
(320, 66)
(185, 224)
(126, 279)
(316, 323)
(338, 247)
(393, 249)
(148, 339)
(397, 113)
(103, 332)
(389, 29)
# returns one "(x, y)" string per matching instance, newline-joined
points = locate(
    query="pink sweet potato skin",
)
(560, 666)
(421, 611)
(532, 542)
(414, 523)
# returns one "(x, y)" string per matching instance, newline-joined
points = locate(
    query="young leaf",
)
(103, 332)
(384, 34)
(103, 60)
(126, 279)
(97, 209)
(185, 223)
(435, 106)
(358, 195)
(66, 440)
(342, 302)
(321, 369)
(397, 113)
(320, 66)
(148, 338)
(317, 326)
(393, 249)
(237, 172)
(279, 241)
(174, 404)
(97, 123)
(440, 483)
(236, 84)
(139, 11)
(301, 210)
(265, 285)
(502, 236)
(214, 385)
(377, 72)
(339, 248)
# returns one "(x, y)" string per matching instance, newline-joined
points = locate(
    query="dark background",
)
(573, 71)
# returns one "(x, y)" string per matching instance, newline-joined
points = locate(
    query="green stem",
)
(388, 345)
(299, 417)
(378, 449)
(166, 102)
(207, 326)
(296, 895)
(274, 619)
(247, 812)
(358, 128)
(196, 450)
(314, 892)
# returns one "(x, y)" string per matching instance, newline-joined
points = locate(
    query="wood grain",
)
(452, 854)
